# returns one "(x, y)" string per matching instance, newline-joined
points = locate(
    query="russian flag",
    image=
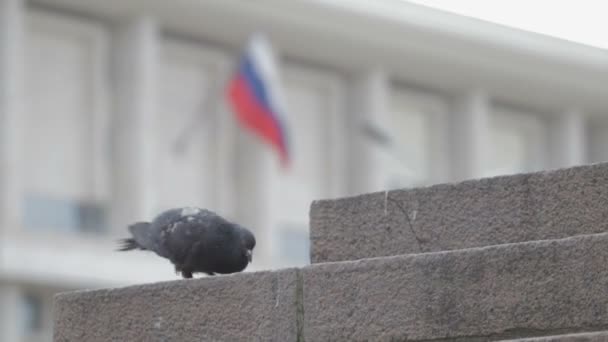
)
(254, 93)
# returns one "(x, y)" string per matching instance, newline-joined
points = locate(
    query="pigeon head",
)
(248, 241)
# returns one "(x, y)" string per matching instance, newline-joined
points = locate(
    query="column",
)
(598, 140)
(369, 134)
(134, 123)
(9, 313)
(567, 139)
(11, 77)
(227, 144)
(256, 166)
(469, 135)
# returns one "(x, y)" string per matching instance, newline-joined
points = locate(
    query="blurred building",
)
(96, 98)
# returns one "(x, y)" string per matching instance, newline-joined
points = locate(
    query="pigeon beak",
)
(249, 255)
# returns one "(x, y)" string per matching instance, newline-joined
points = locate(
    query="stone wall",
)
(516, 258)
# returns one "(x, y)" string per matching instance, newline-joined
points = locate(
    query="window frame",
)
(222, 142)
(98, 36)
(333, 133)
(435, 106)
(331, 83)
(535, 131)
(96, 39)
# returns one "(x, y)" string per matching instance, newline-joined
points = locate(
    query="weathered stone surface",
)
(582, 337)
(244, 307)
(476, 213)
(481, 294)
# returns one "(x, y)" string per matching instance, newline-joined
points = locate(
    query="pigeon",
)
(195, 240)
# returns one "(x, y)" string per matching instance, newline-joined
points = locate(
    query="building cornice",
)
(415, 44)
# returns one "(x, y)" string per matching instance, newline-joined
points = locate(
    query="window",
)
(65, 179)
(32, 308)
(61, 214)
(312, 103)
(294, 247)
(598, 140)
(417, 153)
(517, 143)
(190, 97)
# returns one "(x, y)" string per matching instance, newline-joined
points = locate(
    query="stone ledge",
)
(244, 307)
(582, 337)
(481, 294)
(510, 291)
(476, 213)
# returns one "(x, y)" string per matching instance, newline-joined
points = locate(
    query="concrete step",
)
(510, 291)
(539, 288)
(526, 207)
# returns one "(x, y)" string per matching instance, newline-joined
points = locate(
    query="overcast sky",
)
(583, 21)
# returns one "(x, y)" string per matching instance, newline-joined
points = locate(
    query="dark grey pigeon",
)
(194, 240)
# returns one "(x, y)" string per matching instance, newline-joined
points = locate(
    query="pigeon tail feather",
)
(128, 244)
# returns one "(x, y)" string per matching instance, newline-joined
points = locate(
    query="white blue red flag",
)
(255, 94)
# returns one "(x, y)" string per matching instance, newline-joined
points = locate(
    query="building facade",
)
(111, 111)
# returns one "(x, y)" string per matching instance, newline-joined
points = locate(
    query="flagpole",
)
(207, 107)
(383, 139)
